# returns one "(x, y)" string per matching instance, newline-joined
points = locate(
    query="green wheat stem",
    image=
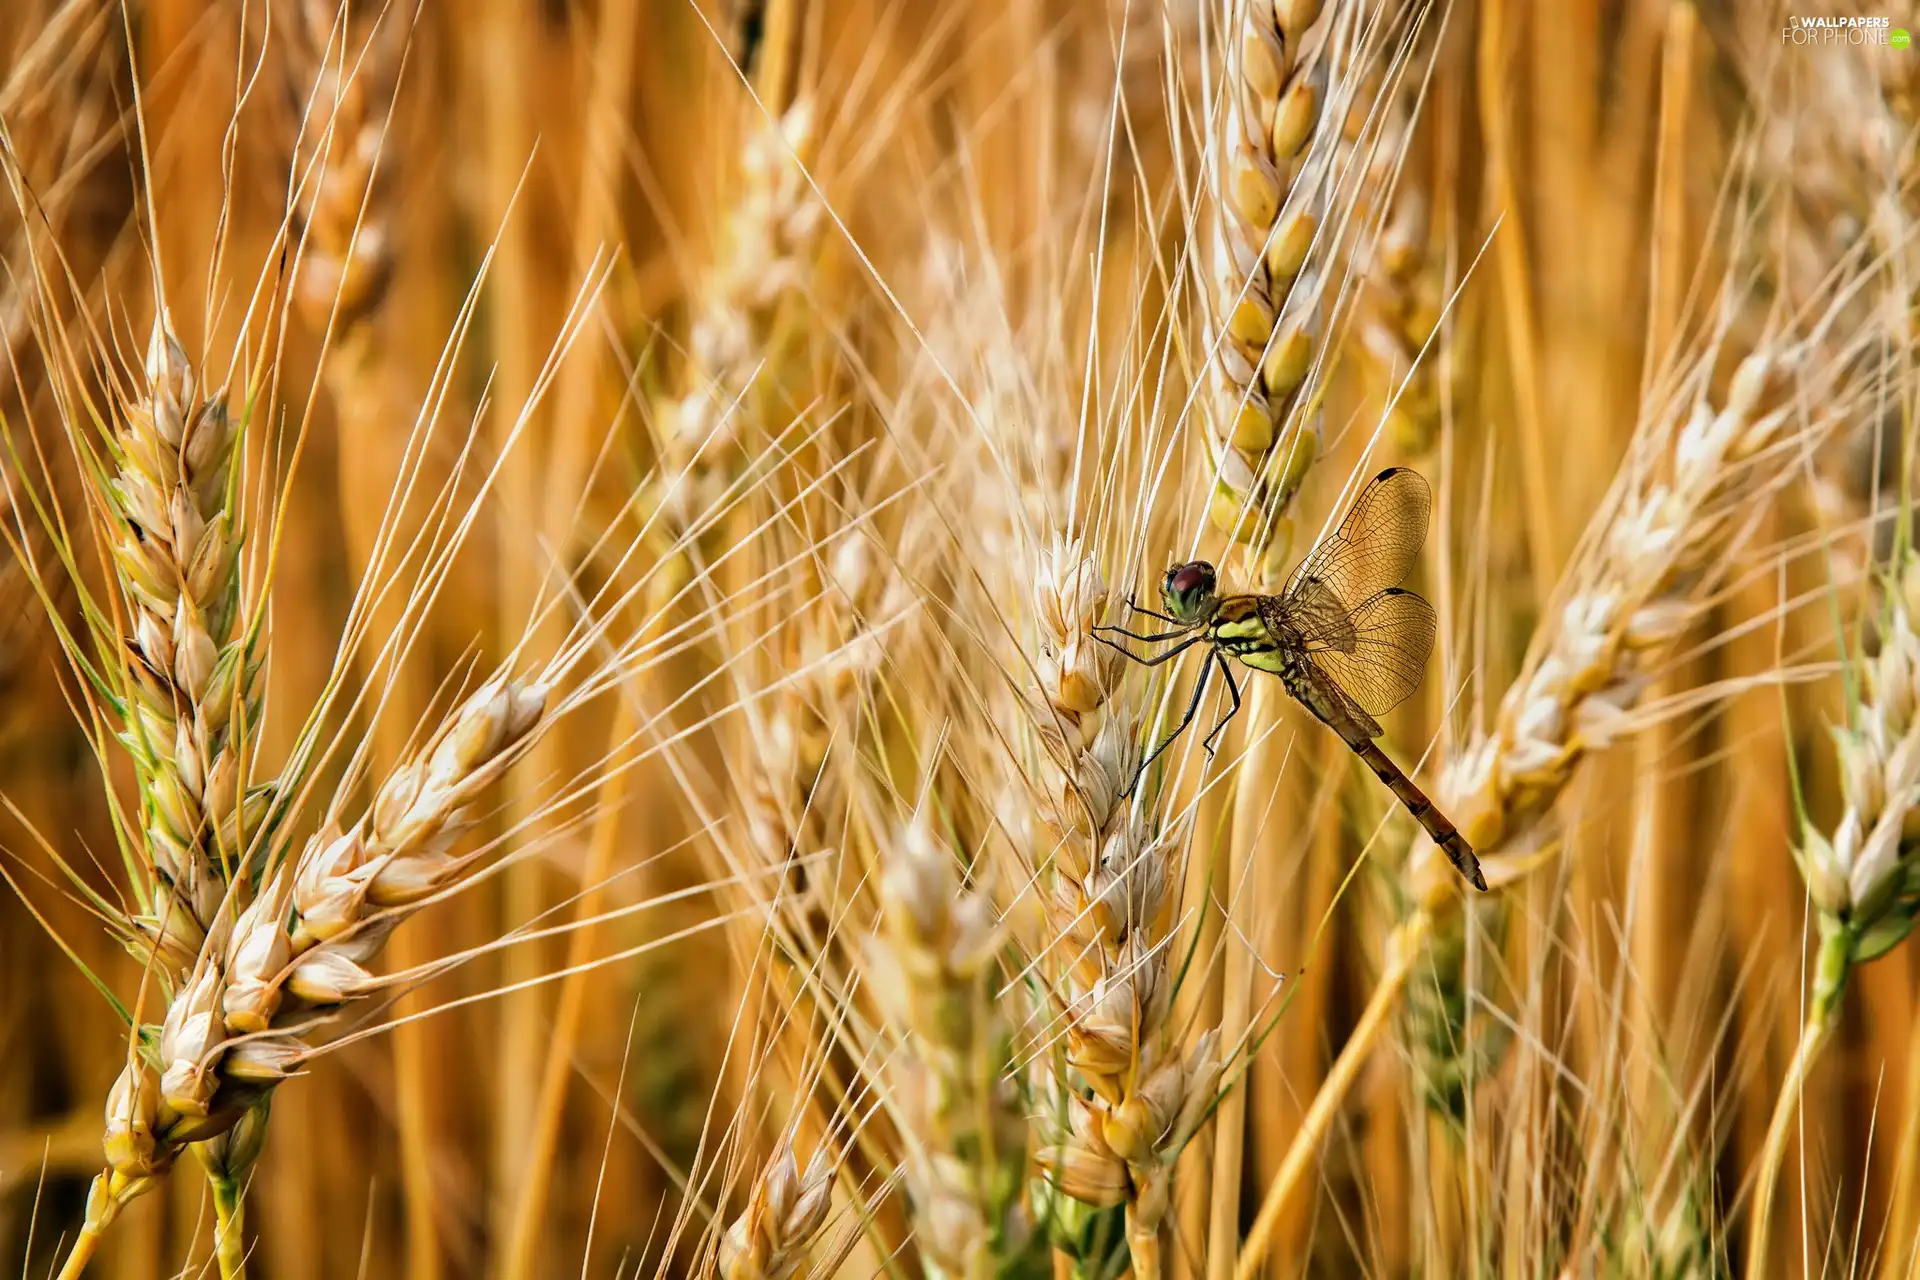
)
(229, 1216)
(1831, 967)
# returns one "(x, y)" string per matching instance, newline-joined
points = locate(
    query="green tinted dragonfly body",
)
(1347, 642)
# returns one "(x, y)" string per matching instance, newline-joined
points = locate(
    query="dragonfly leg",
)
(1149, 637)
(1233, 691)
(1133, 604)
(1193, 709)
(1157, 658)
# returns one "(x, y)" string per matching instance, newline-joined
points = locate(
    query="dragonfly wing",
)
(1328, 701)
(1382, 655)
(1376, 545)
(1312, 613)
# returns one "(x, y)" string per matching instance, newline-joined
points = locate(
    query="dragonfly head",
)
(1188, 592)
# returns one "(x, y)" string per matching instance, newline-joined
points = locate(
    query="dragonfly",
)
(1347, 641)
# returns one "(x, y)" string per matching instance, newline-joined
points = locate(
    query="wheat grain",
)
(784, 1212)
(242, 1021)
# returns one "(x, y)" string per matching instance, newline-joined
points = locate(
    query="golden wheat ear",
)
(1272, 196)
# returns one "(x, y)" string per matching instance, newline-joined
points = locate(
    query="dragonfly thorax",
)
(1240, 629)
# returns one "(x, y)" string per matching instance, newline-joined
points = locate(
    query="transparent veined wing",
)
(1328, 701)
(1374, 548)
(1310, 611)
(1382, 654)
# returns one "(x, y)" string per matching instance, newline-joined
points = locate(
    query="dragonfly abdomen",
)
(1444, 833)
(1295, 673)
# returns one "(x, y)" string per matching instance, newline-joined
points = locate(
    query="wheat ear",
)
(189, 671)
(1264, 431)
(245, 1017)
(182, 666)
(1398, 316)
(745, 339)
(344, 91)
(1269, 218)
(1649, 564)
(935, 971)
(1852, 206)
(1110, 881)
(1864, 878)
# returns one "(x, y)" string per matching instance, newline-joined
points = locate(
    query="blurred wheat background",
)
(551, 717)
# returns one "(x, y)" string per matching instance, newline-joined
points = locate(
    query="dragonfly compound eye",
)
(1188, 588)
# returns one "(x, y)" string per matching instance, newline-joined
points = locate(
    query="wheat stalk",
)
(746, 349)
(1850, 209)
(170, 675)
(803, 846)
(184, 669)
(1031, 1038)
(248, 946)
(1274, 166)
(748, 382)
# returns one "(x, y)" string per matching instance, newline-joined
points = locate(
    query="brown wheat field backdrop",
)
(560, 707)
